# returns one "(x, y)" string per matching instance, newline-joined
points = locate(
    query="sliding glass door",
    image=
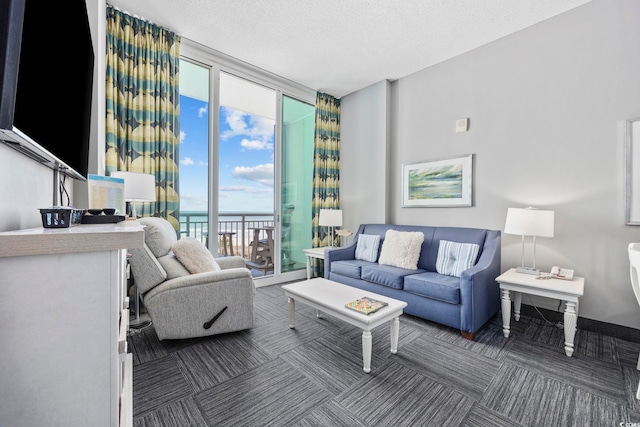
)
(296, 173)
(246, 165)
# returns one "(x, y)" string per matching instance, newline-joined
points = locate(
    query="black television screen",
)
(47, 81)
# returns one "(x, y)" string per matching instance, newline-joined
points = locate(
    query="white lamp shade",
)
(140, 187)
(529, 222)
(330, 218)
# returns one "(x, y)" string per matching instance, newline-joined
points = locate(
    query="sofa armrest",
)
(338, 254)
(479, 291)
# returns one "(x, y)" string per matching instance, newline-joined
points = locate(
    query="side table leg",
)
(395, 332)
(517, 303)
(292, 312)
(570, 322)
(366, 351)
(308, 267)
(506, 312)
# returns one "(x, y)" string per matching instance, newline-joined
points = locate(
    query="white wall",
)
(547, 107)
(365, 129)
(26, 185)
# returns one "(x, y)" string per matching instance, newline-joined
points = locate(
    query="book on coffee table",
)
(366, 305)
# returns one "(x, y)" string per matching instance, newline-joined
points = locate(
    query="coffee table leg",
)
(395, 331)
(292, 311)
(366, 351)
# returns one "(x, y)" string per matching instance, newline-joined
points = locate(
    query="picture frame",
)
(632, 171)
(446, 182)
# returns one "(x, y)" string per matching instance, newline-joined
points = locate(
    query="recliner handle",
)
(208, 324)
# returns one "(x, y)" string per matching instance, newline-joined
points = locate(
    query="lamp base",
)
(528, 270)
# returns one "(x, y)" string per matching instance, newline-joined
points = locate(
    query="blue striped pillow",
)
(454, 258)
(367, 247)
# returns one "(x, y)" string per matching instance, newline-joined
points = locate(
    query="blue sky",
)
(246, 159)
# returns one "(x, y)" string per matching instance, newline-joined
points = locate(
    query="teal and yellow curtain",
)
(142, 110)
(326, 166)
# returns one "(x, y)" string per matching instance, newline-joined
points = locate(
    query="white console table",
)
(63, 324)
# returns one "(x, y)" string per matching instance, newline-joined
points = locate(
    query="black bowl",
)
(95, 211)
(109, 211)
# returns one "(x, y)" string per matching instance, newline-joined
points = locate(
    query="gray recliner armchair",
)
(185, 305)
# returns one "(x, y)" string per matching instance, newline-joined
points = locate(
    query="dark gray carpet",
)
(312, 375)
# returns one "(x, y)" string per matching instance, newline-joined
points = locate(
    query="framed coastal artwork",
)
(438, 183)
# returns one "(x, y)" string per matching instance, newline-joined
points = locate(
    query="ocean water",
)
(194, 224)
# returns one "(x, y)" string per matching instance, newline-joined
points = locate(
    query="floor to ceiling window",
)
(194, 150)
(297, 175)
(246, 156)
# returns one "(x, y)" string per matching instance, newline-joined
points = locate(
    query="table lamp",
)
(330, 218)
(529, 222)
(138, 187)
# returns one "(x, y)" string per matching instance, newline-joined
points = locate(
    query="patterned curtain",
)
(143, 112)
(326, 168)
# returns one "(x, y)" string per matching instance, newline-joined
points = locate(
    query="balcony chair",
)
(634, 269)
(182, 301)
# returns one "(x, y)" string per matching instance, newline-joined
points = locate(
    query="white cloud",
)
(183, 136)
(186, 161)
(202, 111)
(255, 144)
(246, 124)
(245, 189)
(260, 173)
(192, 203)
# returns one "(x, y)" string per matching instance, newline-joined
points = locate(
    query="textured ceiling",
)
(340, 46)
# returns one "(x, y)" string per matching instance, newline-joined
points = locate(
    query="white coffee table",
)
(330, 297)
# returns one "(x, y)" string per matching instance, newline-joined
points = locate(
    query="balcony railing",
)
(194, 224)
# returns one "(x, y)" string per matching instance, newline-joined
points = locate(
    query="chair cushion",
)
(454, 258)
(194, 255)
(435, 286)
(159, 235)
(401, 249)
(367, 247)
(172, 266)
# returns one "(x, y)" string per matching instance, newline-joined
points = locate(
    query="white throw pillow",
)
(367, 247)
(195, 257)
(454, 258)
(401, 249)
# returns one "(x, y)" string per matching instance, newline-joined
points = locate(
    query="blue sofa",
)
(465, 303)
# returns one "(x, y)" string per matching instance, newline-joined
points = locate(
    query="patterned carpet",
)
(312, 375)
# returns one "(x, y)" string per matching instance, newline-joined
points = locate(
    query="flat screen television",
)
(46, 82)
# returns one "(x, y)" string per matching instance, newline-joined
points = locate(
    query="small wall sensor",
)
(462, 125)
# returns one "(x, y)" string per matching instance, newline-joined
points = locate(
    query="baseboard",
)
(617, 331)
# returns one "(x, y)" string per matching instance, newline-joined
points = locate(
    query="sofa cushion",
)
(349, 268)
(454, 258)
(386, 275)
(194, 255)
(435, 286)
(401, 249)
(367, 247)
